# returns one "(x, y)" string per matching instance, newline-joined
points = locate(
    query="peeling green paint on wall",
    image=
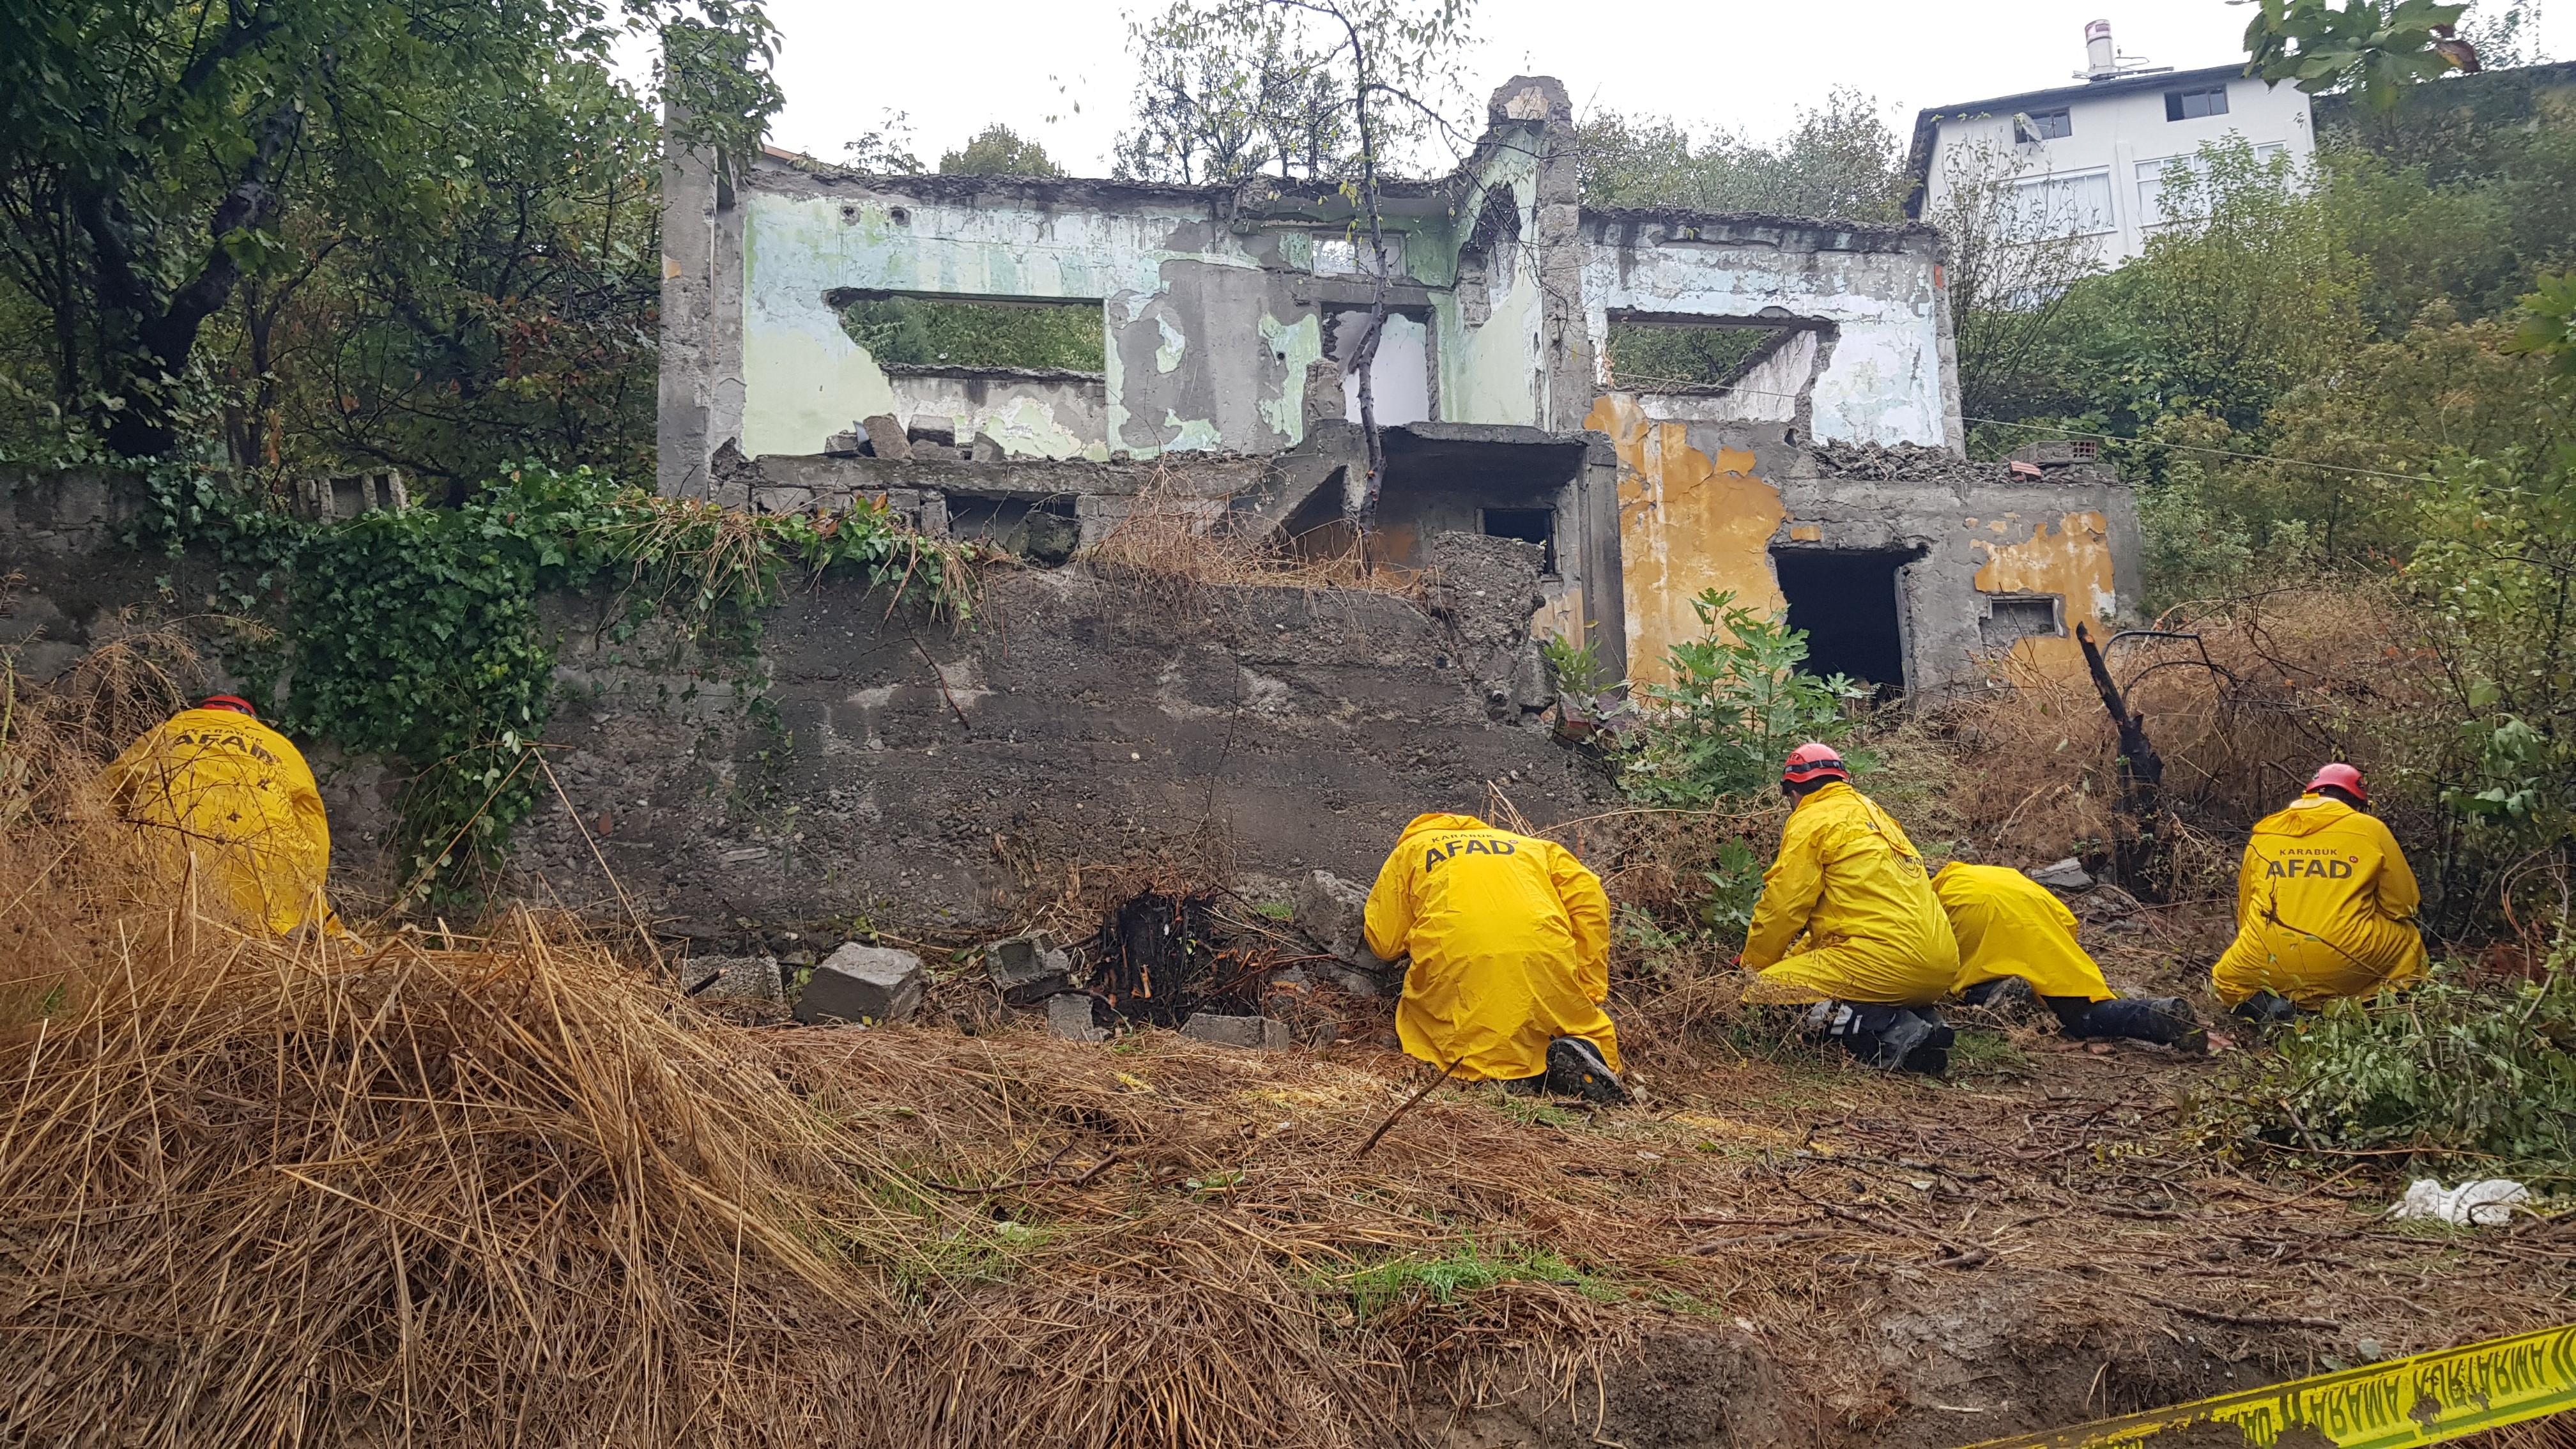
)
(1029, 428)
(1487, 375)
(1299, 345)
(1196, 434)
(1168, 356)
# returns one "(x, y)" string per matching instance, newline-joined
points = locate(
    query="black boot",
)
(1877, 1033)
(2264, 1009)
(2164, 1020)
(1575, 1068)
(1932, 1057)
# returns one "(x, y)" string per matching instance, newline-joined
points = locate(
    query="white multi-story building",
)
(2093, 158)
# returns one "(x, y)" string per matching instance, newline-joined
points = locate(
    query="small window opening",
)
(1846, 603)
(921, 332)
(2030, 616)
(1663, 357)
(1529, 525)
(2192, 105)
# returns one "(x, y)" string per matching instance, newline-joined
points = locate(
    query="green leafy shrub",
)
(416, 634)
(2453, 1066)
(1737, 705)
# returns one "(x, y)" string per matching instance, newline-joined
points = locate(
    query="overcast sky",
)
(1057, 70)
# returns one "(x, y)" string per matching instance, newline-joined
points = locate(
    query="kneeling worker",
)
(216, 792)
(1510, 939)
(1878, 951)
(2325, 905)
(2011, 929)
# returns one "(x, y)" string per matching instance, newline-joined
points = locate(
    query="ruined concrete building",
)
(1806, 456)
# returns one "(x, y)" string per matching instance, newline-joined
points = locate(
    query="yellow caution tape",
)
(2420, 1400)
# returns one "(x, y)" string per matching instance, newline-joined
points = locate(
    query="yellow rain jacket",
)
(1848, 878)
(2010, 925)
(2325, 907)
(1510, 939)
(220, 789)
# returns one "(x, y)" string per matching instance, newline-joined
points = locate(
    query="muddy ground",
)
(1772, 1246)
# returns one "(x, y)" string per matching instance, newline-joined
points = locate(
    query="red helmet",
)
(1812, 761)
(233, 702)
(2343, 777)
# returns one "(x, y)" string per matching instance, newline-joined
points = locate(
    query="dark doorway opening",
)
(1846, 603)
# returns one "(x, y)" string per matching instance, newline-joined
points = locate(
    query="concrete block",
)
(1028, 969)
(932, 429)
(843, 445)
(862, 983)
(2064, 875)
(1259, 1032)
(886, 436)
(734, 978)
(1334, 911)
(1069, 1016)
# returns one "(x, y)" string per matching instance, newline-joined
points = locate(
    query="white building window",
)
(2073, 204)
(2193, 104)
(2052, 125)
(2152, 210)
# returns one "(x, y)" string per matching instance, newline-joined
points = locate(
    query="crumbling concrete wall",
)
(928, 777)
(1873, 295)
(1710, 504)
(1019, 412)
(936, 779)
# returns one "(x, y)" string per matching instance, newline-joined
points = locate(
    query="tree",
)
(997, 150)
(1391, 65)
(1225, 94)
(515, 320)
(2246, 291)
(1839, 162)
(2012, 266)
(885, 149)
(157, 155)
(2375, 47)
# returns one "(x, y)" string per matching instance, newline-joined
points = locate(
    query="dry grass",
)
(512, 1189)
(1185, 543)
(2271, 687)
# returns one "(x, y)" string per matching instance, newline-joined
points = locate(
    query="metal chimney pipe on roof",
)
(2101, 58)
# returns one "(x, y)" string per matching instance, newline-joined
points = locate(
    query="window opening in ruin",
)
(1847, 604)
(2024, 616)
(1529, 525)
(923, 332)
(1688, 357)
(1401, 373)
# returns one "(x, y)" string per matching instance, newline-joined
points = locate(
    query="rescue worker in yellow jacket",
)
(217, 794)
(2017, 941)
(2325, 905)
(1510, 939)
(1876, 951)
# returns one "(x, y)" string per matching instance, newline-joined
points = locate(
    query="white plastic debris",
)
(2487, 1202)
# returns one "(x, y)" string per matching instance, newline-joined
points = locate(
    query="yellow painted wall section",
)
(1687, 522)
(2070, 558)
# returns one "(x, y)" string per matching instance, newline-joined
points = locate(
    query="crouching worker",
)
(218, 796)
(2325, 906)
(1877, 950)
(2017, 938)
(1510, 939)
